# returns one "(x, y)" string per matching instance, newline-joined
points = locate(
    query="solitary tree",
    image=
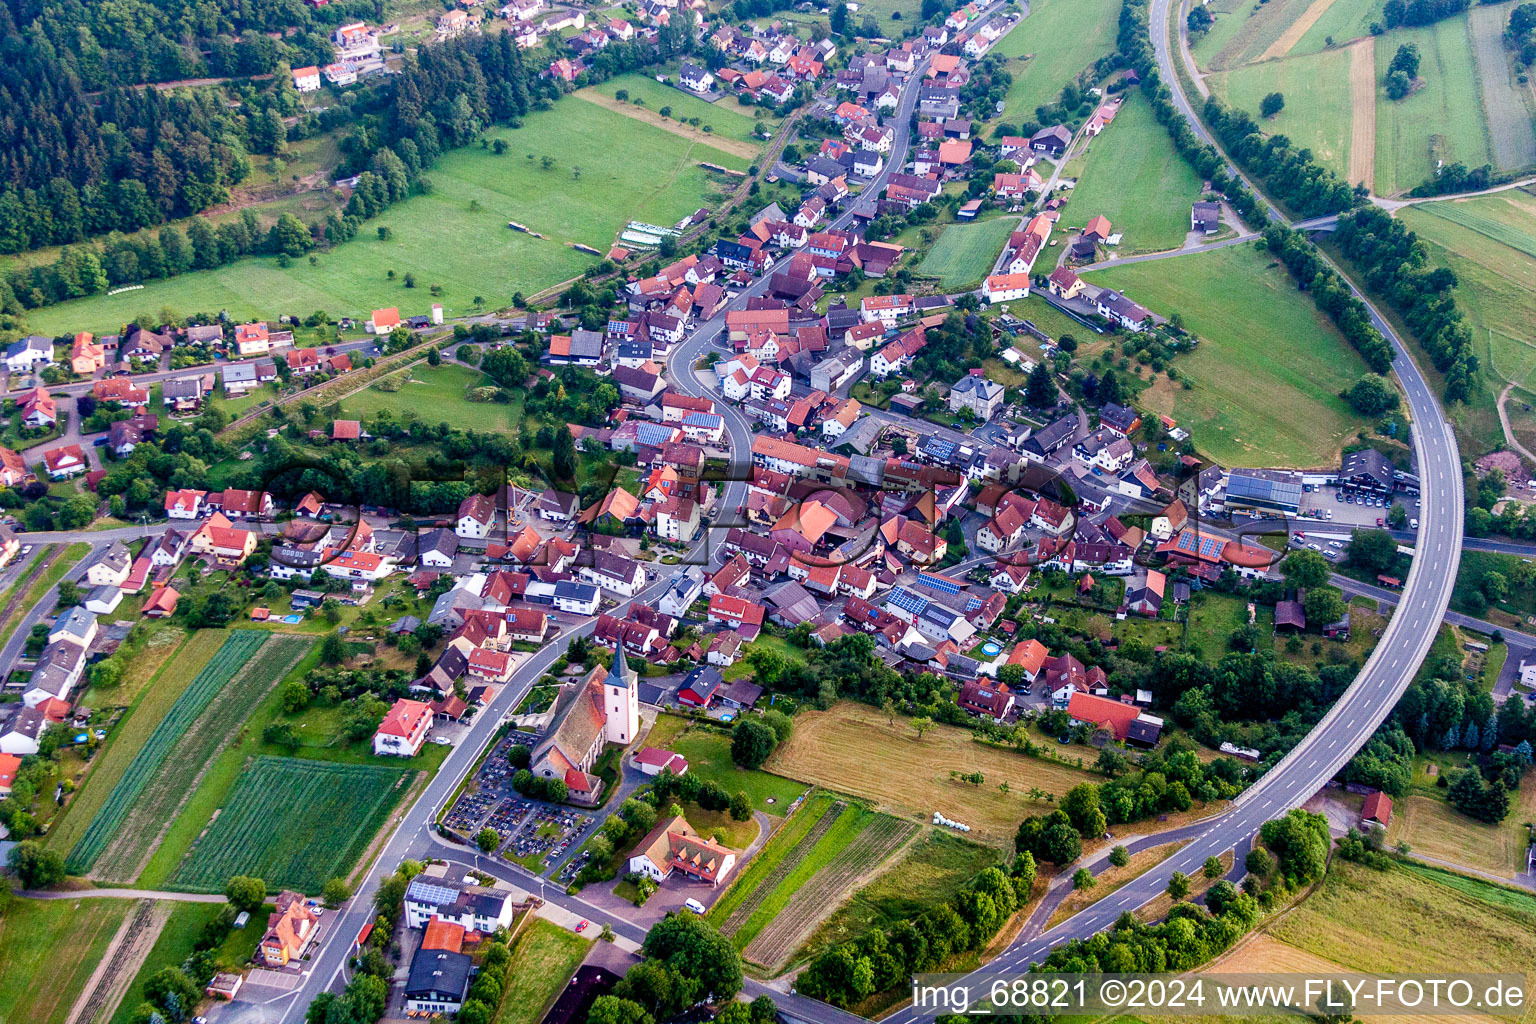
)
(1272, 104)
(487, 839)
(1082, 878)
(1178, 886)
(1212, 868)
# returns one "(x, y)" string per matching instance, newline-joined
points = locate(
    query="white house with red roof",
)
(404, 729)
(384, 320)
(65, 461)
(184, 504)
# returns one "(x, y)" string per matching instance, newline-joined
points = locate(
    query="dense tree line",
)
(882, 960)
(1397, 266)
(83, 153)
(1421, 12)
(1520, 33)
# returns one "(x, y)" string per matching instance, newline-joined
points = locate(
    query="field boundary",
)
(120, 964)
(777, 943)
(791, 860)
(1298, 28)
(1362, 104)
(206, 720)
(1511, 139)
(186, 709)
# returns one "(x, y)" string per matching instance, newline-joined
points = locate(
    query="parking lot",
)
(1351, 511)
(533, 833)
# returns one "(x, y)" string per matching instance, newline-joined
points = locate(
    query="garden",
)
(204, 717)
(295, 823)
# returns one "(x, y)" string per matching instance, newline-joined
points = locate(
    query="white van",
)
(694, 905)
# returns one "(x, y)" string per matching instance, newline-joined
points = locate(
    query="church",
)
(604, 708)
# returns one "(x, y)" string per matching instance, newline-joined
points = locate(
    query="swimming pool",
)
(991, 648)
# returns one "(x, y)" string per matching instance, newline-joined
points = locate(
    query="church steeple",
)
(619, 671)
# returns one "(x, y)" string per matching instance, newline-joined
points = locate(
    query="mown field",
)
(543, 960)
(1490, 242)
(1247, 32)
(855, 749)
(966, 253)
(802, 874)
(708, 752)
(1317, 104)
(295, 823)
(437, 394)
(457, 236)
(1267, 374)
(48, 951)
(1049, 48)
(729, 121)
(162, 774)
(1442, 120)
(1133, 176)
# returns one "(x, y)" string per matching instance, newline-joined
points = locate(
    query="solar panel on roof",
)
(426, 892)
(907, 601)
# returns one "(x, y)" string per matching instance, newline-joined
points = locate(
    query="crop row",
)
(791, 859)
(229, 659)
(853, 821)
(176, 778)
(294, 823)
(812, 902)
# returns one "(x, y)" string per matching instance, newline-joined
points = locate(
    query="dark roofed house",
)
(700, 686)
(1289, 615)
(986, 697)
(1052, 141)
(1205, 217)
(1367, 469)
(437, 982)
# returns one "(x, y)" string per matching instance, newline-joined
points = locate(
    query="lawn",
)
(708, 752)
(1442, 120)
(857, 750)
(457, 236)
(50, 949)
(1317, 106)
(297, 824)
(148, 647)
(966, 253)
(1135, 177)
(1267, 374)
(174, 945)
(729, 121)
(792, 654)
(436, 394)
(164, 772)
(1341, 22)
(1230, 17)
(1058, 40)
(1404, 922)
(543, 960)
(934, 868)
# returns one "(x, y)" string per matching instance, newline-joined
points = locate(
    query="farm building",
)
(674, 846)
